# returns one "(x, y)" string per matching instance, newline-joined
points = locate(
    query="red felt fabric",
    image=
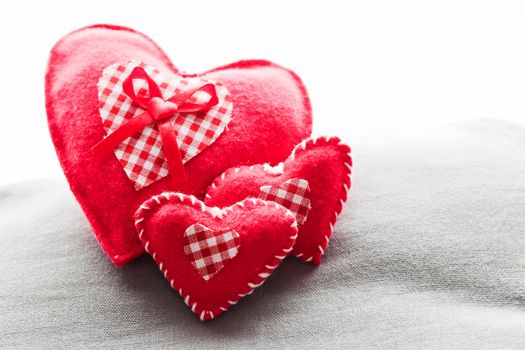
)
(266, 231)
(271, 114)
(324, 162)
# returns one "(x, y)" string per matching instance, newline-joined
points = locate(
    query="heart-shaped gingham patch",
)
(209, 250)
(293, 194)
(141, 155)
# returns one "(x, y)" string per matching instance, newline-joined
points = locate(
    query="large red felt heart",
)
(271, 113)
(213, 257)
(313, 182)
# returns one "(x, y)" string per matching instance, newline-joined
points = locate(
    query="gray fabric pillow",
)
(428, 253)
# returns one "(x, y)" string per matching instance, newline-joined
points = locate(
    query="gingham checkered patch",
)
(141, 155)
(209, 250)
(293, 194)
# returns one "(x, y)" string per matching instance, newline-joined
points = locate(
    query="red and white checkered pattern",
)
(141, 155)
(208, 250)
(293, 194)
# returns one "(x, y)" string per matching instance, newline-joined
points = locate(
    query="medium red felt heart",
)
(313, 183)
(213, 257)
(271, 113)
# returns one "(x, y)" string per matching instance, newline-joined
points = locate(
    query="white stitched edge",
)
(303, 146)
(272, 170)
(262, 275)
(255, 285)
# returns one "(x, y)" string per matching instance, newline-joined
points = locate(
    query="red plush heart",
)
(313, 183)
(213, 257)
(270, 114)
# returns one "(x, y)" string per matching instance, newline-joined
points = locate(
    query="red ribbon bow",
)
(158, 111)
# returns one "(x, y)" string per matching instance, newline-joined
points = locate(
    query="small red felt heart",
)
(213, 257)
(270, 114)
(313, 183)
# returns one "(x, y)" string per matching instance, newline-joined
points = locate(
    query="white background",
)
(368, 65)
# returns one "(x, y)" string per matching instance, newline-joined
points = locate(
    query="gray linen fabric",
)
(429, 253)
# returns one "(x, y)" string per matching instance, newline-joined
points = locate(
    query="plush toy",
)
(213, 257)
(313, 183)
(127, 125)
